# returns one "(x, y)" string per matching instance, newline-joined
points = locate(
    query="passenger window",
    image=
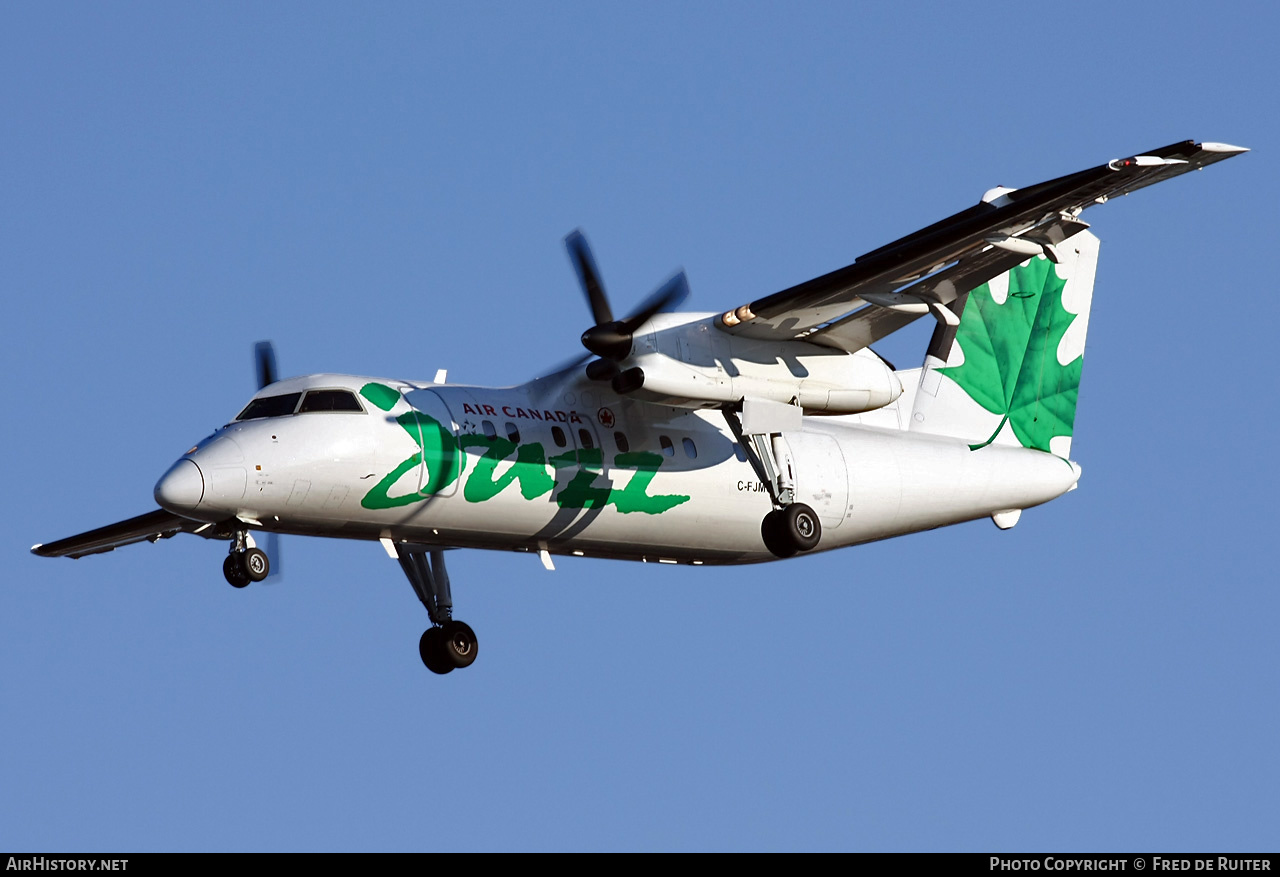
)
(513, 433)
(620, 440)
(330, 400)
(558, 434)
(585, 438)
(667, 448)
(690, 449)
(489, 431)
(270, 406)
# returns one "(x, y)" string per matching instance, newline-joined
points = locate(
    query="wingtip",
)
(1223, 147)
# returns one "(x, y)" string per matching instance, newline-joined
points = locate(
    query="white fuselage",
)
(565, 465)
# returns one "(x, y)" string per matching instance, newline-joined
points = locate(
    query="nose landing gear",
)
(234, 570)
(245, 563)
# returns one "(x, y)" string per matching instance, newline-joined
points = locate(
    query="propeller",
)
(611, 339)
(270, 543)
(264, 356)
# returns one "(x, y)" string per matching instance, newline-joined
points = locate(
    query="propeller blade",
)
(276, 566)
(613, 340)
(584, 263)
(565, 366)
(664, 298)
(264, 355)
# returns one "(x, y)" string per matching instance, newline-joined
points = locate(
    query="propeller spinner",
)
(611, 339)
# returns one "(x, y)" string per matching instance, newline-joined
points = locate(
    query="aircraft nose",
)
(181, 488)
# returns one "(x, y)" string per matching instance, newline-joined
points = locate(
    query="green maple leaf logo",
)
(1010, 350)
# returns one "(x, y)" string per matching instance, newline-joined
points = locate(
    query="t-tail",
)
(1009, 373)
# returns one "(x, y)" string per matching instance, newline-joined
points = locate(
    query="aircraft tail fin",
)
(1009, 373)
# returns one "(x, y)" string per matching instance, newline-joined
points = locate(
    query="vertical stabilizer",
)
(1010, 372)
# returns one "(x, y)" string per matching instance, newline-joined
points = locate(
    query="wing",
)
(153, 526)
(890, 287)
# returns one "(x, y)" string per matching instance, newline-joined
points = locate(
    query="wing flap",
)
(866, 326)
(153, 526)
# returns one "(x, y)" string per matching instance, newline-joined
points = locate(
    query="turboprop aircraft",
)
(756, 433)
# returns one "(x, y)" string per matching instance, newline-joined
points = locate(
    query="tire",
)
(801, 525)
(431, 650)
(459, 643)
(234, 571)
(256, 564)
(772, 530)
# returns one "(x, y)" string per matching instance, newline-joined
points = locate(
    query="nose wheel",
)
(246, 565)
(234, 570)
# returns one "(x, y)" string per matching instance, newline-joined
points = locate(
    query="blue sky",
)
(384, 191)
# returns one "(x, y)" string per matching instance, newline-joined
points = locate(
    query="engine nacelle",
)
(691, 364)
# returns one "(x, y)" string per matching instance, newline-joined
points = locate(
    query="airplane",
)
(758, 433)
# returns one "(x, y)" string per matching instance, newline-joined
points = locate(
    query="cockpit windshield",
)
(330, 400)
(270, 406)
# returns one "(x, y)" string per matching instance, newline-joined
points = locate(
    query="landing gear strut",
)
(245, 563)
(448, 644)
(792, 526)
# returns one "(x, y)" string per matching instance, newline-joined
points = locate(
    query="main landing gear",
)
(791, 529)
(447, 647)
(448, 644)
(245, 563)
(792, 526)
